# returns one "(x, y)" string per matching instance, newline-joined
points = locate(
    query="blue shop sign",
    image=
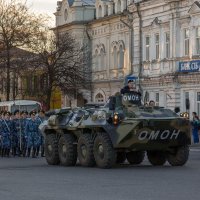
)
(189, 66)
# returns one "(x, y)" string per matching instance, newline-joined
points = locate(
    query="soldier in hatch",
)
(131, 87)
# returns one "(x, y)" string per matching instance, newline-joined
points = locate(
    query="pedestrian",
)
(33, 135)
(195, 127)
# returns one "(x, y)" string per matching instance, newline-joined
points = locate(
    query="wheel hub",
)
(64, 149)
(100, 150)
(50, 149)
(83, 150)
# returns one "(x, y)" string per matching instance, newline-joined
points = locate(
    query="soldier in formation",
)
(20, 134)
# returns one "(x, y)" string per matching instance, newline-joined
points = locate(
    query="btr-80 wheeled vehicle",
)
(122, 129)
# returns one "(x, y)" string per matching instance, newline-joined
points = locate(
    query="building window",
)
(99, 98)
(65, 14)
(198, 103)
(121, 57)
(115, 57)
(118, 6)
(186, 42)
(102, 63)
(157, 46)
(157, 99)
(106, 10)
(146, 97)
(96, 63)
(100, 11)
(186, 99)
(147, 46)
(198, 40)
(167, 45)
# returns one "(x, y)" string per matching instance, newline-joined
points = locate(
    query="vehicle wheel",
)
(51, 150)
(156, 157)
(180, 157)
(67, 150)
(135, 157)
(121, 157)
(104, 153)
(85, 150)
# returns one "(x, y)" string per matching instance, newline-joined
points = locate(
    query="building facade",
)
(155, 40)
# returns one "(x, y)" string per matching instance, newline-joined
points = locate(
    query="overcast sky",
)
(43, 6)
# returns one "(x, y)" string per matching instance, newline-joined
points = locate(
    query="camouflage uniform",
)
(7, 132)
(16, 138)
(33, 135)
(0, 135)
(24, 136)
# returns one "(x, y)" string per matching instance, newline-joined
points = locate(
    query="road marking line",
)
(194, 149)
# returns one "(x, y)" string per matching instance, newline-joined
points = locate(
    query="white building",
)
(157, 40)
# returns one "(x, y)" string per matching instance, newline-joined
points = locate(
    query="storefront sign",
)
(190, 66)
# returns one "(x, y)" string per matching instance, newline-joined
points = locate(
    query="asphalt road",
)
(31, 179)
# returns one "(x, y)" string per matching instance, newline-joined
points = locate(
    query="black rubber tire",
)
(121, 157)
(51, 150)
(156, 158)
(67, 150)
(104, 153)
(180, 157)
(86, 143)
(135, 157)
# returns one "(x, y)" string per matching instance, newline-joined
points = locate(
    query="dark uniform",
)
(127, 89)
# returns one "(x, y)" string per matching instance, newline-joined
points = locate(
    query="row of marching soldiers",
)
(20, 134)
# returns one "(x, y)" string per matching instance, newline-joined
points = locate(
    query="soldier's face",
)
(7, 116)
(41, 114)
(131, 85)
(33, 116)
(17, 115)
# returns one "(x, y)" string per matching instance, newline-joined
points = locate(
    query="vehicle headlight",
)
(52, 120)
(184, 115)
(115, 119)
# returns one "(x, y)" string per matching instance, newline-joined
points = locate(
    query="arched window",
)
(102, 63)
(115, 57)
(121, 57)
(100, 11)
(119, 6)
(99, 98)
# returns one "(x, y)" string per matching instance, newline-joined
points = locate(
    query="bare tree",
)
(18, 26)
(63, 61)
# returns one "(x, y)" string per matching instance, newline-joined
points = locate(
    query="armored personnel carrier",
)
(122, 129)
